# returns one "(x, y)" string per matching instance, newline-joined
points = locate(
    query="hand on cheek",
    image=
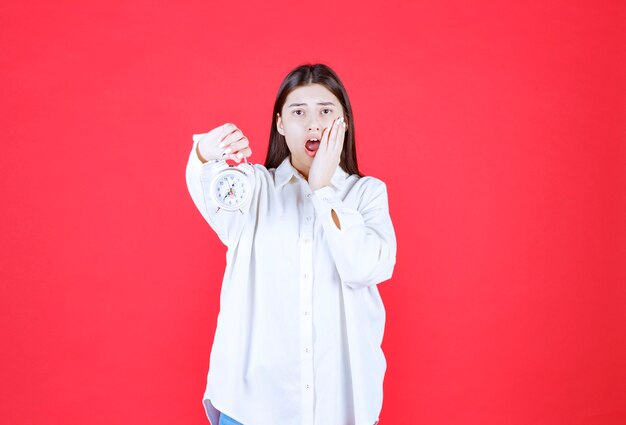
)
(328, 155)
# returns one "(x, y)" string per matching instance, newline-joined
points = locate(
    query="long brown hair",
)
(305, 75)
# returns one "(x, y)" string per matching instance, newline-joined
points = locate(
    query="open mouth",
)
(312, 145)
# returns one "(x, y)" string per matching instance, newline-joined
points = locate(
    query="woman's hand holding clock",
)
(224, 142)
(328, 155)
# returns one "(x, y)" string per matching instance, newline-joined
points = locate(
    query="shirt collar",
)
(285, 172)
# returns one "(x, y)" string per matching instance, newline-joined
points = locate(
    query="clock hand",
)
(229, 193)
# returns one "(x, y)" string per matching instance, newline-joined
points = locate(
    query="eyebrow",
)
(304, 104)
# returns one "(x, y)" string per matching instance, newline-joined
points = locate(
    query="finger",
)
(243, 153)
(337, 139)
(230, 138)
(238, 156)
(226, 131)
(324, 139)
(341, 137)
(327, 133)
(232, 157)
(239, 144)
(332, 139)
(234, 148)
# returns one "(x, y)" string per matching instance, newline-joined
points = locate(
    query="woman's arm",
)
(362, 241)
(226, 224)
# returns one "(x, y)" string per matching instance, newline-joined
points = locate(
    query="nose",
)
(313, 124)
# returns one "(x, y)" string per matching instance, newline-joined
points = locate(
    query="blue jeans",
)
(227, 420)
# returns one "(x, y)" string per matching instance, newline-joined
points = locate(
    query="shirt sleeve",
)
(364, 248)
(226, 224)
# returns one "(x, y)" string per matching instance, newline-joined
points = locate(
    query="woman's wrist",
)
(200, 156)
(316, 186)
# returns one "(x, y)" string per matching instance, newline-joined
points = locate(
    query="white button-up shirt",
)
(301, 321)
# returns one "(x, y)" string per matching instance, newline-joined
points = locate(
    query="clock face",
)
(231, 189)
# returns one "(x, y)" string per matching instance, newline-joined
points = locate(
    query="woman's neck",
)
(301, 169)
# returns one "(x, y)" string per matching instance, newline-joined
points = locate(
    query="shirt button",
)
(306, 241)
(308, 195)
(306, 276)
(306, 312)
(308, 219)
(307, 349)
(308, 387)
(325, 198)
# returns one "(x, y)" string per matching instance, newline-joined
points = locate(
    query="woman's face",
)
(307, 114)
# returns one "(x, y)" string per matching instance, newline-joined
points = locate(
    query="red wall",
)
(498, 128)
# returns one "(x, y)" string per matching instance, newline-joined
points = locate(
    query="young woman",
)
(301, 320)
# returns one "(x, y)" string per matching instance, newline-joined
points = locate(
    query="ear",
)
(279, 124)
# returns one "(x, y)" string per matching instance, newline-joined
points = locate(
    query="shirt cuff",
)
(326, 199)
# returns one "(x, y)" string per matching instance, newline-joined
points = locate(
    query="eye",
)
(298, 110)
(327, 109)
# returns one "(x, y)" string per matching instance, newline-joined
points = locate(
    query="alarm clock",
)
(231, 187)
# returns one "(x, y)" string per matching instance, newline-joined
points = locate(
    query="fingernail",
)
(239, 155)
(221, 145)
(228, 150)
